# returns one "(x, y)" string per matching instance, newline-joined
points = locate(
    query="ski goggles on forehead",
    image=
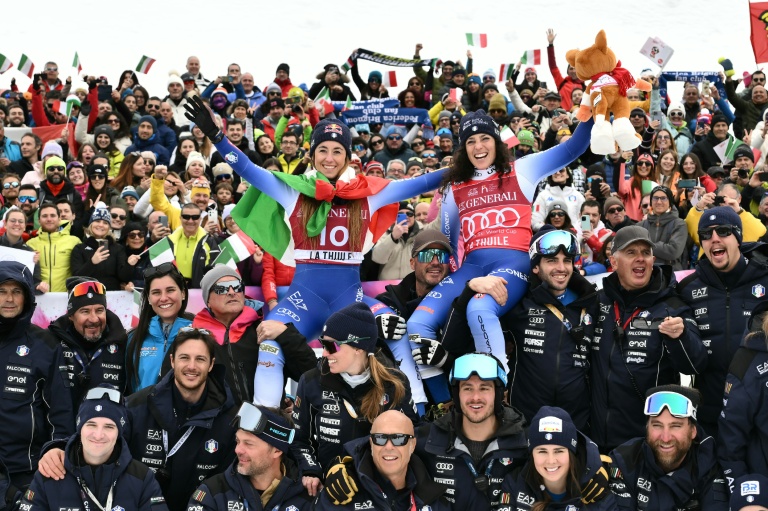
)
(104, 393)
(84, 288)
(426, 255)
(397, 439)
(483, 366)
(677, 404)
(553, 242)
(251, 419)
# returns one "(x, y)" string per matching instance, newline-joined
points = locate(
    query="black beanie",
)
(93, 293)
(552, 426)
(334, 130)
(353, 321)
(477, 122)
(103, 407)
(666, 191)
(284, 67)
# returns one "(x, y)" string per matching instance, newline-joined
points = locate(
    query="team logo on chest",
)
(758, 291)
(22, 351)
(211, 446)
(112, 348)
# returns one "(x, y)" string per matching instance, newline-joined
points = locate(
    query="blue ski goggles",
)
(677, 404)
(252, 420)
(553, 242)
(483, 366)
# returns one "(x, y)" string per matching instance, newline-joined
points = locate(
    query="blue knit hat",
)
(333, 130)
(552, 426)
(749, 490)
(477, 122)
(476, 79)
(151, 120)
(353, 321)
(721, 215)
(374, 75)
(100, 214)
(103, 407)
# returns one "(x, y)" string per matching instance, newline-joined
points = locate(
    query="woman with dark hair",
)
(407, 99)
(128, 80)
(104, 138)
(86, 153)
(98, 190)
(472, 99)
(487, 209)
(631, 190)
(325, 235)
(162, 313)
(133, 237)
(336, 82)
(141, 95)
(76, 175)
(558, 217)
(132, 171)
(186, 145)
(556, 472)
(265, 147)
(690, 168)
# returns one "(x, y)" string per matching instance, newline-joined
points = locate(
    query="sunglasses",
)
(394, 137)
(27, 198)
(414, 84)
(250, 418)
(397, 439)
(115, 216)
(488, 79)
(427, 255)
(406, 213)
(56, 168)
(358, 147)
(51, 68)
(660, 198)
(222, 177)
(645, 205)
(377, 142)
(190, 217)
(557, 214)
(84, 288)
(483, 365)
(526, 97)
(114, 121)
(677, 404)
(644, 164)
(104, 393)
(135, 235)
(235, 285)
(428, 155)
(417, 144)
(676, 114)
(332, 346)
(97, 176)
(723, 231)
(637, 115)
(153, 107)
(663, 137)
(615, 210)
(160, 270)
(12, 184)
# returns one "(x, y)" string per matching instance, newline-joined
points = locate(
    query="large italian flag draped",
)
(265, 221)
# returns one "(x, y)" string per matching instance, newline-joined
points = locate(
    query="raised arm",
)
(535, 167)
(406, 188)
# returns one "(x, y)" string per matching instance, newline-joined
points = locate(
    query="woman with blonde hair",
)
(354, 376)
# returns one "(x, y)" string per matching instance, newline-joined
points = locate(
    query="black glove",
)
(36, 82)
(431, 352)
(13, 82)
(339, 484)
(391, 327)
(92, 83)
(201, 115)
(85, 107)
(597, 487)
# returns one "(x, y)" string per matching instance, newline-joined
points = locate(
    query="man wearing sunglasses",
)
(615, 214)
(388, 473)
(673, 464)
(262, 476)
(11, 184)
(36, 405)
(56, 185)
(729, 282)
(193, 248)
(644, 336)
(395, 147)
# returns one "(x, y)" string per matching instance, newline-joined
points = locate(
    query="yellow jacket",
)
(55, 249)
(160, 202)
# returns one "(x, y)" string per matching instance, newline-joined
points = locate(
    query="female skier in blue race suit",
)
(486, 207)
(325, 220)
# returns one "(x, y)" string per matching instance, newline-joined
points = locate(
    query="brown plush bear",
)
(605, 95)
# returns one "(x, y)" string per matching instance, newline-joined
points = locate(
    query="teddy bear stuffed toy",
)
(605, 95)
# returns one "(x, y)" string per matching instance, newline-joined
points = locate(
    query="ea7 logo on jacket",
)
(699, 293)
(368, 504)
(234, 505)
(297, 301)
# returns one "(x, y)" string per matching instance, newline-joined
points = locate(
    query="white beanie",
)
(194, 156)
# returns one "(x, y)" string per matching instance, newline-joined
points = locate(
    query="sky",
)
(110, 37)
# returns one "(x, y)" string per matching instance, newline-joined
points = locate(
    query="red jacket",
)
(275, 274)
(565, 85)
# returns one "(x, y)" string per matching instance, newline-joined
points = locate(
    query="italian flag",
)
(480, 40)
(348, 104)
(5, 64)
(76, 63)
(161, 252)
(144, 64)
(136, 311)
(323, 100)
(26, 66)
(236, 248)
(505, 73)
(531, 57)
(258, 214)
(390, 79)
(508, 137)
(347, 65)
(65, 107)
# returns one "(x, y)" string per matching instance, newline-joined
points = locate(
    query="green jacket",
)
(55, 249)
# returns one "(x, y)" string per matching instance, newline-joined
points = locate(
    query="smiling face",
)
(99, 229)
(670, 439)
(392, 461)
(165, 298)
(477, 399)
(481, 150)
(723, 252)
(330, 159)
(552, 462)
(634, 265)
(98, 436)
(254, 456)
(90, 322)
(15, 223)
(659, 203)
(11, 299)
(556, 271)
(191, 364)
(346, 359)
(667, 164)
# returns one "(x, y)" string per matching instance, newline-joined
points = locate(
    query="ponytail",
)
(381, 376)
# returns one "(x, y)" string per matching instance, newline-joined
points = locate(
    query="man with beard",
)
(180, 427)
(16, 116)
(674, 465)
(56, 186)
(263, 475)
(30, 154)
(10, 190)
(27, 201)
(54, 243)
(93, 338)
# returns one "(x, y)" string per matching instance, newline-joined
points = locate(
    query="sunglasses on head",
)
(12, 184)
(397, 439)
(613, 211)
(188, 329)
(190, 217)
(428, 254)
(27, 198)
(159, 270)
(723, 231)
(235, 285)
(332, 346)
(98, 393)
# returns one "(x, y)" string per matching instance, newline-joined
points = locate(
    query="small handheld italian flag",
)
(389, 78)
(76, 63)
(480, 40)
(65, 107)
(505, 73)
(144, 64)
(323, 100)
(508, 137)
(346, 66)
(236, 248)
(161, 252)
(348, 104)
(531, 58)
(26, 66)
(5, 64)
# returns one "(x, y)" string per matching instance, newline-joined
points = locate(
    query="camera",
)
(743, 173)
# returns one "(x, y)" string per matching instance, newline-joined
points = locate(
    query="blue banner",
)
(386, 115)
(338, 106)
(690, 76)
